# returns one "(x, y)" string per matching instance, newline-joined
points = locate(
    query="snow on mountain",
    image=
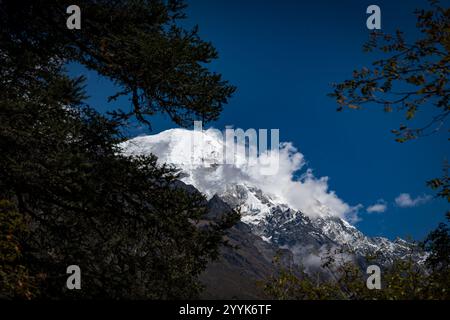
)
(299, 214)
(201, 157)
(196, 153)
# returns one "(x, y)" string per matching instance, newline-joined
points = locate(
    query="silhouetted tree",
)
(411, 76)
(404, 279)
(69, 195)
(437, 244)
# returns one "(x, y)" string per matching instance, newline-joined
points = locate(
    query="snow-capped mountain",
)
(301, 215)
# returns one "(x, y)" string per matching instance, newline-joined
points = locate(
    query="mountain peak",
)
(295, 215)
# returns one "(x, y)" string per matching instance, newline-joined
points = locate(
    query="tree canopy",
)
(409, 77)
(68, 196)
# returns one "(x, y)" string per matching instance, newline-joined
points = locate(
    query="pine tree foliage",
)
(68, 195)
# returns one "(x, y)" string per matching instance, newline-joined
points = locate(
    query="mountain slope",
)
(310, 232)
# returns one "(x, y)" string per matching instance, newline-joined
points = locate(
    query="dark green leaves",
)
(124, 221)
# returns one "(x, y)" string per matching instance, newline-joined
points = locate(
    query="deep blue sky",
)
(282, 56)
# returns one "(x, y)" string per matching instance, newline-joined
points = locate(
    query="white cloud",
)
(293, 183)
(404, 200)
(380, 206)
